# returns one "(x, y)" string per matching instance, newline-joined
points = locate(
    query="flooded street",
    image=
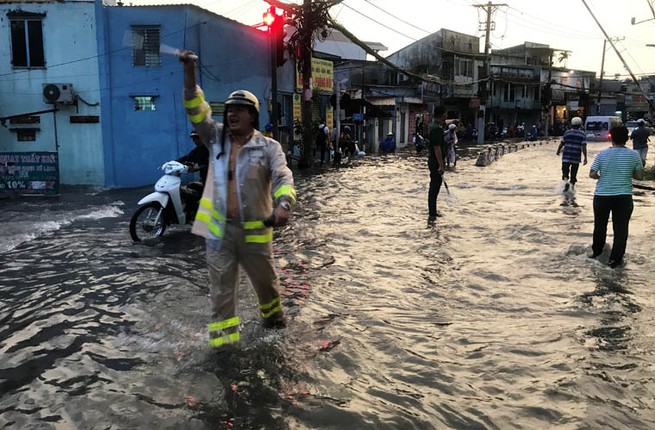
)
(493, 318)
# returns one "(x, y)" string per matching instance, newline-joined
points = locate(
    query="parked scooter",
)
(171, 203)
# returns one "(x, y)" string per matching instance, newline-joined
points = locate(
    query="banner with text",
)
(29, 173)
(322, 76)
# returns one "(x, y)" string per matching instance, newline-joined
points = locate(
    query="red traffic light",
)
(268, 18)
(271, 17)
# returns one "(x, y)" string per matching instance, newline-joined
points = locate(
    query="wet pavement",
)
(492, 318)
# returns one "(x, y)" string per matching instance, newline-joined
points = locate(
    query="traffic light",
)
(269, 17)
(275, 24)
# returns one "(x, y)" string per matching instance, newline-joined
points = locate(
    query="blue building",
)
(106, 95)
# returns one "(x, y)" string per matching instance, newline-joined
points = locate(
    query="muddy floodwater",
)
(492, 318)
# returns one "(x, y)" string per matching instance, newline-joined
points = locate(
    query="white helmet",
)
(452, 126)
(576, 121)
(243, 98)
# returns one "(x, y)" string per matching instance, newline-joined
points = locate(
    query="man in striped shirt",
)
(574, 143)
(614, 167)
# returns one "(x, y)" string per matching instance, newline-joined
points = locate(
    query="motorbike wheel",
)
(145, 224)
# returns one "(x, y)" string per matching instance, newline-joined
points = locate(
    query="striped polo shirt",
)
(615, 167)
(574, 140)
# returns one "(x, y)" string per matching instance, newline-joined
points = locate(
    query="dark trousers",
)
(573, 167)
(435, 186)
(621, 209)
(322, 150)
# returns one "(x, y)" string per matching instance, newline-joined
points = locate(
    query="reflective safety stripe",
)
(208, 215)
(223, 339)
(285, 190)
(222, 325)
(195, 102)
(266, 237)
(200, 116)
(206, 203)
(217, 342)
(260, 238)
(252, 225)
(203, 217)
(271, 307)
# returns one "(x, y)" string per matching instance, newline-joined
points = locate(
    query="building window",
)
(145, 46)
(26, 135)
(463, 67)
(509, 93)
(144, 103)
(27, 42)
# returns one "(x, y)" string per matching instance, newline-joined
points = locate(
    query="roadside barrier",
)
(490, 153)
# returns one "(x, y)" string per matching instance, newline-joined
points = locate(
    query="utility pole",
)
(310, 19)
(651, 104)
(306, 155)
(489, 8)
(600, 81)
(602, 72)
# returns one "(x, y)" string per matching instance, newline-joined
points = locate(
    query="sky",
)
(562, 24)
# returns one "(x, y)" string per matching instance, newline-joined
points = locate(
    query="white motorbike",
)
(171, 203)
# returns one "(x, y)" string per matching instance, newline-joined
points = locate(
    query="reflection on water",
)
(493, 317)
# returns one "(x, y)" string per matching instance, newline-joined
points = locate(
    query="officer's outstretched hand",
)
(187, 57)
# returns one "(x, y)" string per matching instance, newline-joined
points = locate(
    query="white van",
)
(598, 127)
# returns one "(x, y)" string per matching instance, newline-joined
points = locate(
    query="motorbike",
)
(170, 203)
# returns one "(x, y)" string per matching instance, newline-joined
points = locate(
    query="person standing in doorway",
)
(437, 151)
(574, 144)
(640, 139)
(249, 189)
(614, 167)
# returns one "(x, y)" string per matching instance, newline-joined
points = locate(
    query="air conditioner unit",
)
(58, 93)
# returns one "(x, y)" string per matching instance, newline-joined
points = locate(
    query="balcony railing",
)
(516, 104)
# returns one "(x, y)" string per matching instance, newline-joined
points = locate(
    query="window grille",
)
(145, 46)
(145, 103)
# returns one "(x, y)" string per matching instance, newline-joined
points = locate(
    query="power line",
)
(398, 18)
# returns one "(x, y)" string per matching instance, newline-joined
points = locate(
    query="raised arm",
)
(197, 109)
(188, 58)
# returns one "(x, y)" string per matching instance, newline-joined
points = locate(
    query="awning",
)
(382, 101)
(371, 109)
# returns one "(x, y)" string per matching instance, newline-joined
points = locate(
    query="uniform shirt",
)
(574, 140)
(615, 167)
(639, 137)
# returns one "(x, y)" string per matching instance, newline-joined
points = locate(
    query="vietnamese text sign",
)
(322, 76)
(29, 173)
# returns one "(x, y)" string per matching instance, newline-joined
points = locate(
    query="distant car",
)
(598, 127)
